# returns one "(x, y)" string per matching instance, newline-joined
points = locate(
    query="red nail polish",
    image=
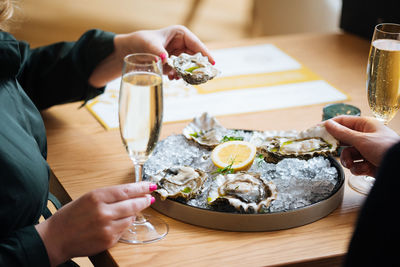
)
(152, 187)
(163, 56)
(152, 200)
(213, 63)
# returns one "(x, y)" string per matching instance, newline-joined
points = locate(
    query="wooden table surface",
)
(85, 156)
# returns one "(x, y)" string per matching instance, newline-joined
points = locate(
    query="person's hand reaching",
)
(367, 139)
(172, 40)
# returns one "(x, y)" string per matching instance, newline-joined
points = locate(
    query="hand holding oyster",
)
(194, 69)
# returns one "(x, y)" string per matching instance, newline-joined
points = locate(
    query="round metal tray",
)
(254, 222)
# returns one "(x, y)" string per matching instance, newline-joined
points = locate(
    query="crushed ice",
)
(299, 182)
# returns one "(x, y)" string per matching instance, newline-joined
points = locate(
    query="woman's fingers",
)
(130, 207)
(363, 168)
(180, 39)
(341, 132)
(119, 226)
(123, 192)
(349, 155)
(355, 162)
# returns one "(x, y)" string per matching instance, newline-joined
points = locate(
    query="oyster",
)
(315, 141)
(245, 192)
(259, 138)
(194, 69)
(179, 181)
(205, 130)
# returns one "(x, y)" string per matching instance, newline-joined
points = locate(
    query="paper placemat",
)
(253, 78)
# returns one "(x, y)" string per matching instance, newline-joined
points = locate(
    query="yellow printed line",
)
(257, 80)
(90, 109)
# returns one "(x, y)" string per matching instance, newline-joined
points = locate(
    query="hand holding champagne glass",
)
(140, 118)
(383, 84)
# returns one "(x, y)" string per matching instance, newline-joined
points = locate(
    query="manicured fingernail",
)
(152, 200)
(152, 187)
(163, 56)
(213, 63)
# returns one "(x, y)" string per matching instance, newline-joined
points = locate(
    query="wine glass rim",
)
(395, 25)
(155, 57)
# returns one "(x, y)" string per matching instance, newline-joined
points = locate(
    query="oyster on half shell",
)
(245, 192)
(179, 181)
(315, 141)
(194, 69)
(205, 130)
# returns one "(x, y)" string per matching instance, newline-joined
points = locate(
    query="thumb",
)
(155, 46)
(342, 133)
(160, 51)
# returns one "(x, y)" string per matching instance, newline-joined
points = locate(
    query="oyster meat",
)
(315, 141)
(179, 182)
(245, 192)
(194, 69)
(205, 130)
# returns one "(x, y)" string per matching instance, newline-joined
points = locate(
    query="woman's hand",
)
(367, 138)
(172, 40)
(93, 222)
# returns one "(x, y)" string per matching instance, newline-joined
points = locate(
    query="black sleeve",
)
(23, 248)
(377, 233)
(59, 73)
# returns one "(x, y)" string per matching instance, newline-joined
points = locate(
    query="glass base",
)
(149, 230)
(362, 184)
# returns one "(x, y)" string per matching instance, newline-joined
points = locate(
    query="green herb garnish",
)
(231, 138)
(187, 190)
(227, 170)
(287, 143)
(195, 134)
(191, 69)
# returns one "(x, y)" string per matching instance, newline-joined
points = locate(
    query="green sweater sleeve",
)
(59, 73)
(23, 247)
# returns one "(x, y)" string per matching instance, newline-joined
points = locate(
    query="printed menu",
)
(252, 79)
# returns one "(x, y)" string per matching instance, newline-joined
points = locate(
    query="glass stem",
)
(138, 178)
(140, 219)
(138, 172)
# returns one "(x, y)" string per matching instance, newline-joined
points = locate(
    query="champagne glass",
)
(383, 84)
(140, 118)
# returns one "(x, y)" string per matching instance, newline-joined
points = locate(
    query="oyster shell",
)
(205, 130)
(312, 142)
(259, 138)
(194, 69)
(179, 181)
(245, 192)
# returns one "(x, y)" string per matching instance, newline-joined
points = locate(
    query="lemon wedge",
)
(239, 155)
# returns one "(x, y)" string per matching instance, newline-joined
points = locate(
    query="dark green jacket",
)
(30, 80)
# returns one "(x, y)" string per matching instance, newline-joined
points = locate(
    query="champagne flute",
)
(140, 118)
(383, 84)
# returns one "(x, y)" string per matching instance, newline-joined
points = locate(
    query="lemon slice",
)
(239, 155)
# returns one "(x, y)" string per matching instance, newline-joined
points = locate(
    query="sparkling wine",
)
(383, 81)
(140, 113)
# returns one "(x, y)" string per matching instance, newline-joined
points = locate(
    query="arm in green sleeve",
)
(59, 73)
(23, 247)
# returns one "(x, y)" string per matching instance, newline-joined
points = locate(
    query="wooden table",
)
(84, 156)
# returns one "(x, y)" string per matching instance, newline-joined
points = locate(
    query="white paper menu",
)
(252, 79)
